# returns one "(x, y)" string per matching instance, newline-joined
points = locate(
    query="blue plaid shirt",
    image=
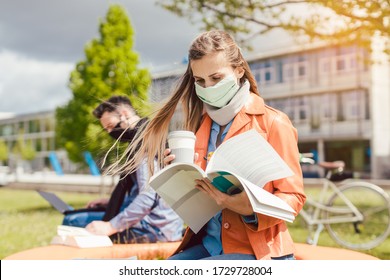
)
(212, 240)
(148, 211)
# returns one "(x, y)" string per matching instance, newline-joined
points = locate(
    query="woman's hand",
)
(168, 157)
(238, 203)
(101, 228)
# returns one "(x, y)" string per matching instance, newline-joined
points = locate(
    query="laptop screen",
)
(55, 201)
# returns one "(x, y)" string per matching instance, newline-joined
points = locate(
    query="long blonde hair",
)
(151, 140)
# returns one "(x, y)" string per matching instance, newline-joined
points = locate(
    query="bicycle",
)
(355, 213)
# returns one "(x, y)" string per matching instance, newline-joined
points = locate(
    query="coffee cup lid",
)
(181, 133)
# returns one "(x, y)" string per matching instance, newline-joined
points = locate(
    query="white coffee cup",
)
(182, 145)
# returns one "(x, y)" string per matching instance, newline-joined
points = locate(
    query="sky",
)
(42, 40)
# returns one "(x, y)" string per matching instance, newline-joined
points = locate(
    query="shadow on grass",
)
(38, 209)
(47, 209)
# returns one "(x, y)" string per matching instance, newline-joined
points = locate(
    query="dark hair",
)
(111, 105)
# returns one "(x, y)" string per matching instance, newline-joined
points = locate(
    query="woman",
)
(220, 99)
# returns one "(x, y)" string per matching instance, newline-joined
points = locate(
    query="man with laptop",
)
(134, 213)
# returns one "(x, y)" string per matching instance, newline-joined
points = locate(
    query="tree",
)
(338, 21)
(3, 151)
(110, 68)
(25, 150)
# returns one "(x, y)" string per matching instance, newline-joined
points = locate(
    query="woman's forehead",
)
(210, 64)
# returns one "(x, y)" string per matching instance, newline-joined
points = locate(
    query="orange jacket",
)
(270, 237)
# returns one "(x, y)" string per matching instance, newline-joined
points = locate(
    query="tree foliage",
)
(25, 149)
(338, 21)
(3, 151)
(110, 68)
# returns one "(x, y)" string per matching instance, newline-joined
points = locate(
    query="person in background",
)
(220, 100)
(134, 213)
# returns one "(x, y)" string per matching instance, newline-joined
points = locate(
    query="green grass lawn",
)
(27, 221)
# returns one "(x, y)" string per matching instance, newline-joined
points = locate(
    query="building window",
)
(340, 65)
(255, 66)
(340, 108)
(280, 104)
(324, 65)
(279, 67)
(256, 74)
(338, 60)
(328, 103)
(301, 70)
(297, 108)
(295, 71)
(268, 76)
(288, 72)
(345, 63)
(41, 145)
(51, 144)
(354, 105)
(301, 67)
(366, 103)
(33, 126)
(48, 124)
(303, 108)
(289, 109)
(267, 73)
(7, 130)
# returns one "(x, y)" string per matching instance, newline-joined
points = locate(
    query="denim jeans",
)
(140, 233)
(199, 252)
(82, 219)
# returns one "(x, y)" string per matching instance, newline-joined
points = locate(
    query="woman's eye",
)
(200, 82)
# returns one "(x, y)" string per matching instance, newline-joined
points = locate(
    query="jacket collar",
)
(254, 106)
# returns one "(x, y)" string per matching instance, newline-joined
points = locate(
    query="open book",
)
(245, 162)
(79, 237)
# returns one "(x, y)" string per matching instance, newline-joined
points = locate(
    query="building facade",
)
(37, 130)
(337, 97)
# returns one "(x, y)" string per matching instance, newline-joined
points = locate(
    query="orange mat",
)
(163, 250)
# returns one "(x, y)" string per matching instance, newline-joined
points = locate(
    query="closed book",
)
(79, 237)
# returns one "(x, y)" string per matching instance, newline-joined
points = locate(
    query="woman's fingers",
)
(167, 152)
(168, 157)
(206, 185)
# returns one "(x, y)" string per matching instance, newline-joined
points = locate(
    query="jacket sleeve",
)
(284, 139)
(142, 204)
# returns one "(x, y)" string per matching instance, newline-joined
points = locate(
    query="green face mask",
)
(219, 94)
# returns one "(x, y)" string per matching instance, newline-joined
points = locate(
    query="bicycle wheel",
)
(374, 205)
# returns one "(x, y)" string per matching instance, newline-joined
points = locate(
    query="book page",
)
(88, 241)
(249, 156)
(266, 203)
(63, 230)
(79, 237)
(176, 185)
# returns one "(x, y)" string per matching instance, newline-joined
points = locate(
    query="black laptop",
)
(63, 207)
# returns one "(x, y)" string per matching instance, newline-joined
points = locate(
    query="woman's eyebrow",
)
(216, 73)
